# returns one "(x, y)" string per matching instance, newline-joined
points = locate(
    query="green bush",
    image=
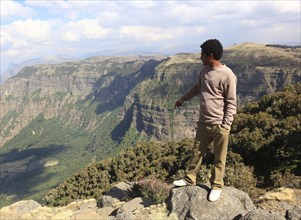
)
(151, 160)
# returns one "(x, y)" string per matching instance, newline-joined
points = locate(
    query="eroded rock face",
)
(192, 203)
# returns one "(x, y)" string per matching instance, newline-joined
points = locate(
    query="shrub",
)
(285, 179)
(154, 189)
(242, 177)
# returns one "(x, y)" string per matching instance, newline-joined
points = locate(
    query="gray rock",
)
(132, 207)
(294, 213)
(26, 206)
(116, 194)
(192, 203)
(259, 214)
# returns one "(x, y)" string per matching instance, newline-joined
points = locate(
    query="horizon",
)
(34, 29)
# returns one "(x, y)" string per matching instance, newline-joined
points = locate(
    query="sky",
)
(75, 28)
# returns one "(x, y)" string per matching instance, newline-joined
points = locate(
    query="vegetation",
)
(155, 189)
(267, 133)
(148, 159)
(264, 152)
(282, 46)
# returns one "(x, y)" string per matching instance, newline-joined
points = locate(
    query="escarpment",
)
(78, 112)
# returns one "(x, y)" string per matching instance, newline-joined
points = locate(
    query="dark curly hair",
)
(214, 47)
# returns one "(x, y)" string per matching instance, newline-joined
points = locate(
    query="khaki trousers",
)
(206, 134)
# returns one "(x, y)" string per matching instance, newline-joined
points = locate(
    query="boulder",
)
(18, 209)
(191, 202)
(116, 195)
(130, 209)
(294, 213)
(259, 214)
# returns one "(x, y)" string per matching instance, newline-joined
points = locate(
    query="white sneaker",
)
(180, 182)
(214, 195)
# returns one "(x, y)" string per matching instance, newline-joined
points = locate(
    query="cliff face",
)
(54, 90)
(145, 88)
(260, 70)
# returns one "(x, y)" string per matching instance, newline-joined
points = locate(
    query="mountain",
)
(14, 68)
(56, 119)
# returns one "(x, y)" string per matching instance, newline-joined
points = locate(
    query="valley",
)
(56, 119)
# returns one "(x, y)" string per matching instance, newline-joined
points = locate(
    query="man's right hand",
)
(178, 104)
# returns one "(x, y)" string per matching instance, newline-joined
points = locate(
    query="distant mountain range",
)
(55, 119)
(14, 68)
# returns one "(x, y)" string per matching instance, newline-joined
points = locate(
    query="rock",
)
(63, 214)
(278, 207)
(86, 214)
(82, 204)
(184, 203)
(84, 209)
(41, 213)
(130, 209)
(192, 203)
(105, 212)
(117, 194)
(16, 210)
(259, 214)
(293, 214)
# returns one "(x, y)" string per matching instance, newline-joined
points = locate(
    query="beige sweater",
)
(217, 90)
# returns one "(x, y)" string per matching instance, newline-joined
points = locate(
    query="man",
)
(216, 88)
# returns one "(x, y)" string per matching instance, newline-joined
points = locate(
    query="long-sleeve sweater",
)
(216, 87)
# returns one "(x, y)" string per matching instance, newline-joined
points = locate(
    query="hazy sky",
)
(31, 29)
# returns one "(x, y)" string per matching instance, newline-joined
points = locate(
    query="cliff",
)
(144, 87)
(260, 70)
(55, 90)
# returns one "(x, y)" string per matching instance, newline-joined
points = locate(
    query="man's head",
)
(212, 48)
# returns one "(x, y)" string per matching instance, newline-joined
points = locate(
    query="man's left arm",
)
(230, 101)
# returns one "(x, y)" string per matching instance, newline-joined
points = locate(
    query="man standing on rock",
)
(216, 87)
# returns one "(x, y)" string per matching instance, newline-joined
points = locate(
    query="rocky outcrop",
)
(192, 203)
(185, 203)
(112, 207)
(86, 209)
(258, 214)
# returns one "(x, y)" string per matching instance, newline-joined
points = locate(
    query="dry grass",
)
(184, 58)
(257, 50)
(292, 196)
